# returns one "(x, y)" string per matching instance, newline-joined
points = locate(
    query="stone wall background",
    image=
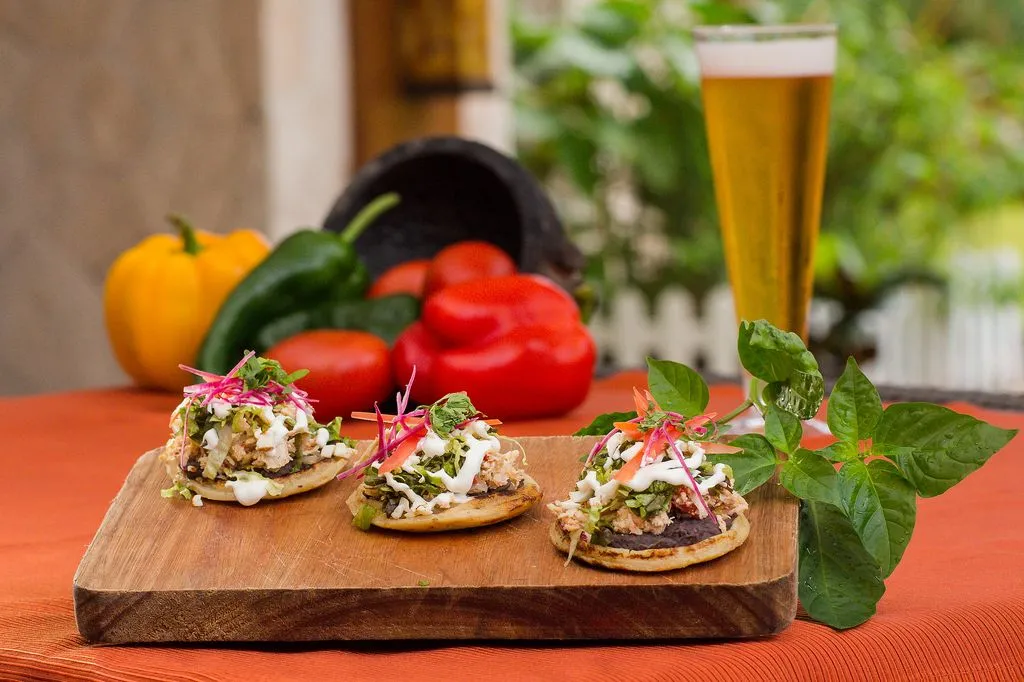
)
(112, 114)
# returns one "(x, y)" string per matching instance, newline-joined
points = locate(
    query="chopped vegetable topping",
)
(364, 516)
(178, 488)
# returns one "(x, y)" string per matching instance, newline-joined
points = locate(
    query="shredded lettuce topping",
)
(422, 479)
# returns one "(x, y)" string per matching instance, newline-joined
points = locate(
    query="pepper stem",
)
(187, 232)
(367, 215)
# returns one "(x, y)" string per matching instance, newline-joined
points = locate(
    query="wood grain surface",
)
(297, 570)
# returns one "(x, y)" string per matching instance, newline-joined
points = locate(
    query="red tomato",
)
(404, 278)
(465, 262)
(348, 370)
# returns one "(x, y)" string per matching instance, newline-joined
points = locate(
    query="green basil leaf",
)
(800, 395)
(882, 506)
(946, 446)
(839, 582)
(676, 387)
(839, 451)
(809, 476)
(854, 407)
(752, 467)
(603, 423)
(782, 429)
(771, 354)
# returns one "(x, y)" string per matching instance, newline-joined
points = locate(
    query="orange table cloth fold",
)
(953, 610)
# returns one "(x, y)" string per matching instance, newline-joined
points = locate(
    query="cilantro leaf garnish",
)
(258, 372)
(653, 420)
(855, 523)
(450, 411)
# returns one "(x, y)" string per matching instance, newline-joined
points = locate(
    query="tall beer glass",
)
(766, 92)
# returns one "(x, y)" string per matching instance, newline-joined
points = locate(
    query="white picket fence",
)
(963, 341)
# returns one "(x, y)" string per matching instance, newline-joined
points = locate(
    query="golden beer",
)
(766, 107)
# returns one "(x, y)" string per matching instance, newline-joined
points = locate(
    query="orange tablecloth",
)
(954, 608)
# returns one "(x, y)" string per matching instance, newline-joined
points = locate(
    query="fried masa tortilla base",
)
(300, 482)
(482, 510)
(660, 559)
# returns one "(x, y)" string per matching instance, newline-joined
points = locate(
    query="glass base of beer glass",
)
(751, 421)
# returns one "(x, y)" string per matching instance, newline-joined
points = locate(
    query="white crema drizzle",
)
(478, 444)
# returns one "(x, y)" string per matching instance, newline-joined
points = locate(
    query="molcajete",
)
(452, 190)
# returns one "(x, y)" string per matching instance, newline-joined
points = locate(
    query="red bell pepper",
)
(515, 344)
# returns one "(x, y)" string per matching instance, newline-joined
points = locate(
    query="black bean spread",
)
(682, 532)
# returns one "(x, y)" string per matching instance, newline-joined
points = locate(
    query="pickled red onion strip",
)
(682, 460)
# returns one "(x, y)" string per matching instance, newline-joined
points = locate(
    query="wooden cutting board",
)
(295, 569)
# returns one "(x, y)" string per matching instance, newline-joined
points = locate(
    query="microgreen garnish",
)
(855, 520)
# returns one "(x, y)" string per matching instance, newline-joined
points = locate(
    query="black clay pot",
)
(452, 190)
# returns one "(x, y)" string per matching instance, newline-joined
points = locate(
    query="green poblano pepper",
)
(386, 317)
(307, 268)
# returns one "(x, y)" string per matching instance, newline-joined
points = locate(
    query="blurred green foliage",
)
(609, 103)
(927, 131)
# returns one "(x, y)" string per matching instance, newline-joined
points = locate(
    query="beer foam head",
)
(783, 57)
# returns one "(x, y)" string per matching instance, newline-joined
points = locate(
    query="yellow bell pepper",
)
(161, 297)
